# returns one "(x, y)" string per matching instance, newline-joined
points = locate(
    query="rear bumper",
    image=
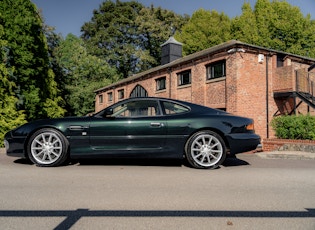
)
(243, 142)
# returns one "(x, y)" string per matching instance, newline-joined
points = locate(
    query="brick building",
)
(239, 78)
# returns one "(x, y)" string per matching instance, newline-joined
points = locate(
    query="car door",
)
(134, 127)
(178, 125)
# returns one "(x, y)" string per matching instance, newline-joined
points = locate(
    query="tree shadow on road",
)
(73, 216)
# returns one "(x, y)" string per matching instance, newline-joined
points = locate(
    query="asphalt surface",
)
(298, 155)
(251, 191)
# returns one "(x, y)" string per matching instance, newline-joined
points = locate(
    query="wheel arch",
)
(220, 133)
(30, 134)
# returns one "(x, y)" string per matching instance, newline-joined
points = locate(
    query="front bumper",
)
(14, 146)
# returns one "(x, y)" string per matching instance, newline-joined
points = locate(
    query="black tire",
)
(48, 148)
(205, 150)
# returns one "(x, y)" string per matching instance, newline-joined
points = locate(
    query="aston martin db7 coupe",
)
(136, 128)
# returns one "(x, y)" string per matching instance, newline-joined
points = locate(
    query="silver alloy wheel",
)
(206, 150)
(46, 148)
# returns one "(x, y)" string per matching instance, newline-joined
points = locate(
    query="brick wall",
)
(251, 89)
(284, 79)
(242, 92)
(297, 145)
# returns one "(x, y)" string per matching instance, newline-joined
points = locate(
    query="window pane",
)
(184, 78)
(100, 98)
(161, 83)
(172, 108)
(110, 96)
(216, 70)
(121, 94)
(137, 109)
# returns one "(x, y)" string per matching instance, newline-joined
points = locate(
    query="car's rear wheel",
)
(205, 149)
(48, 147)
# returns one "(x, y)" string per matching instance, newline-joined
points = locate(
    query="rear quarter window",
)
(173, 108)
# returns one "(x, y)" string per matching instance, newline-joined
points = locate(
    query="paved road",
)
(246, 193)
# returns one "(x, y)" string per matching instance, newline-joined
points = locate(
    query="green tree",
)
(290, 29)
(128, 35)
(111, 34)
(271, 24)
(155, 26)
(28, 54)
(276, 25)
(83, 73)
(244, 27)
(264, 14)
(53, 41)
(10, 117)
(204, 29)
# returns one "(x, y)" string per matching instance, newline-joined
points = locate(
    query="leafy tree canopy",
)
(28, 54)
(128, 35)
(271, 24)
(10, 117)
(204, 29)
(83, 73)
(281, 26)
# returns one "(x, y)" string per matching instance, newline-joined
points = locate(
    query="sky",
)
(68, 16)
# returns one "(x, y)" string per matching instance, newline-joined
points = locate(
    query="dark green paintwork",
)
(143, 136)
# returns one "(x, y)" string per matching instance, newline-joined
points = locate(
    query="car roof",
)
(193, 107)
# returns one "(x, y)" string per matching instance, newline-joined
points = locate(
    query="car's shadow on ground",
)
(23, 161)
(229, 162)
(128, 162)
(234, 161)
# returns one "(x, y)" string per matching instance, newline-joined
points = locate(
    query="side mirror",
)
(108, 112)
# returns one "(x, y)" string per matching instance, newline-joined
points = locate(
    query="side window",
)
(172, 108)
(141, 108)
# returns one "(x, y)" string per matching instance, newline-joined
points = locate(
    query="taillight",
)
(250, 127)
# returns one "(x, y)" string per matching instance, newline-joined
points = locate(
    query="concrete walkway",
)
(298, 155)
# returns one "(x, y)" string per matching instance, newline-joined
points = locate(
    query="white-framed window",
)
(121, 94)
(216, 70)
(110, 96)
(184, 78)
(100, 99)
(160, 83)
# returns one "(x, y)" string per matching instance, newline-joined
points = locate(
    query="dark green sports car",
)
(136, 128)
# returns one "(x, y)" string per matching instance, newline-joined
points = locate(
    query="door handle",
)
(157, 124)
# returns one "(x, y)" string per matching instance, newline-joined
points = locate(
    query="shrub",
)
(300, 127)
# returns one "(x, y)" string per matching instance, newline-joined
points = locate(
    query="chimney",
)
(171, 50)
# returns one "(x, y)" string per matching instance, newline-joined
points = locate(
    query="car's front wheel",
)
(48, 147)
(205, 149)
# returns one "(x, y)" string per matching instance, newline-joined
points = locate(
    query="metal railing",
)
(305, 85)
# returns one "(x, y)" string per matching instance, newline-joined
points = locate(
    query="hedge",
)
(297, 127)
